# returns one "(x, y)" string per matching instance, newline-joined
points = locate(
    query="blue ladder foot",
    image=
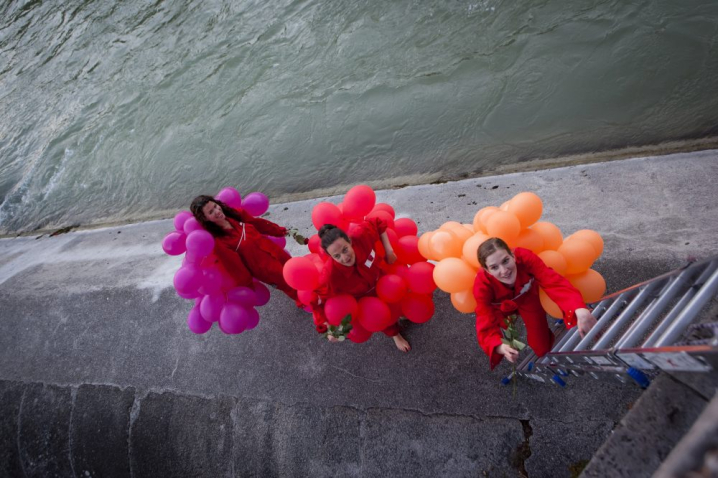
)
(558, 380)
(639, 377)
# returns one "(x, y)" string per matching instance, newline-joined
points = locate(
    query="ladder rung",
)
(617, 305)
(626, 315)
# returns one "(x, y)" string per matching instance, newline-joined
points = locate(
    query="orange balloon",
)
(552, 237)
(592, 237)
(471, 249)
(579, 255)
(549, 306)
(469, 227)
(527, 207)
(531, 240)
(454, 275)
(449, 225)
(591, 284)
(461, 232)
(424, 248)
(555, 261)
(444, 244)
(481, 217)
(504, 225)
(505, 205)
(464, 301)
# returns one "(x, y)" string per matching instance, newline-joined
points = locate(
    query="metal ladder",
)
(637, 332)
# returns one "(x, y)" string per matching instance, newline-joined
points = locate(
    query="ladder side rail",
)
(626, 315)
(655, 309)
(668, 319)
(582, 344)
(706, 293)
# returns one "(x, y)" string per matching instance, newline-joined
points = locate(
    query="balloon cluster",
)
(455, 247)
(405, 290)
(202, 277)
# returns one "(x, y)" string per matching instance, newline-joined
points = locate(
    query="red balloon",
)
(374, 314)
(340, 306)
(358, 334)
(402, 270)
(301, 273)
(327, 213)
(418, 308)
(391, 288)
(405, 227)
(408, 250)
(358, 202)
(315, 243)
(420, 277)
(306, 297)
(382, 215)
(382, 206)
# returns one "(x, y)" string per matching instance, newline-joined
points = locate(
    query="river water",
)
(119, 111)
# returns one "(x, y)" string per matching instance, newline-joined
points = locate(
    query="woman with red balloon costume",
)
(240, 245)
(507, 284)
(354, 269)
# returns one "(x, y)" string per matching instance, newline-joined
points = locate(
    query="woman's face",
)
(342, 252)
(213, 213)
(502, 265)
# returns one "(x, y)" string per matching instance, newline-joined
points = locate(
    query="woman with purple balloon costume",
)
(241, 245)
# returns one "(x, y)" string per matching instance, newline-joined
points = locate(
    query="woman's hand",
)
(390, 256)
(585, 321)
(507, 351)
(332, 339)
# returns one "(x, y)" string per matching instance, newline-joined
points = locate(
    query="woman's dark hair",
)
(330, 233)
(200, 202)
(488, 247)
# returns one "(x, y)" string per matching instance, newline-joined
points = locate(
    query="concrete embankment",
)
(100, 375)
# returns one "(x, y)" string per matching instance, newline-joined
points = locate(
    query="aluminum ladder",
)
(637, 332)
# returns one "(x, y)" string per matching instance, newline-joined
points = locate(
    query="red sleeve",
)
(262, 225)
(233, 263)
(558, 288)
(323, 293)
(376, 225)
(488, 320)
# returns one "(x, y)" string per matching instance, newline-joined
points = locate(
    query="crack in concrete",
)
(73, 395)
(19, 426)
(523, 452)
(134, 412)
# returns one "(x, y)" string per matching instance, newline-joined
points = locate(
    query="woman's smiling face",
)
(502, 265)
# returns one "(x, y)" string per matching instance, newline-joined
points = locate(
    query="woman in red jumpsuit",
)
(354, 269)
(507, 284)
(240, 246)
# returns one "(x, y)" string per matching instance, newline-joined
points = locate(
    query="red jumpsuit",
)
(245, 253)
(495, 300)
(358, 280)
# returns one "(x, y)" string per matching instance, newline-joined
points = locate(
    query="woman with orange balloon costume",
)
(508, 283)
(355, 268)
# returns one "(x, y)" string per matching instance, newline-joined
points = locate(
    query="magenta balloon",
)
(211, 306)
(180, 218)
(190, 225)
(211, 281)
(174, 243)
(256, 204)
(230, 197)
(262, 293)
(280, 241)
(252, 318)
(242, 296)
(188, 279)
(233, 319)
(188, 295)
(200, 243)
(196, 323)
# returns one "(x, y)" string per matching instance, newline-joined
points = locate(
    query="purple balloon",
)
(252, 318)
(230, 197)
(255, 204)
(189, 295)
(211, 307)
(280, 241)
(233, 319)
(200, 243)
(262, 293)
(187, 279)
(174, 243)
(211, 281)
(180, 218)
(242, 296)
(190, 225)
(196, 323)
